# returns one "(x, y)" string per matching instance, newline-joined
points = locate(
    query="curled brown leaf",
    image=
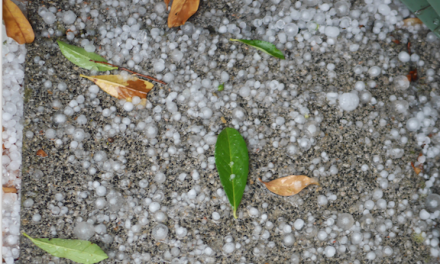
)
(181, 11)
(41, 153)
(290, 185)
(16, 24)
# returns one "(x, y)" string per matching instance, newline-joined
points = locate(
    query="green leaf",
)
(81, 57)
(264, 46)
(221, 87)
(232, 158)
(80, 251)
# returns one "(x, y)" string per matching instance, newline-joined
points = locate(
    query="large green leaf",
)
(80, 251)
(81, 57)
(232, 158)
(264, 46)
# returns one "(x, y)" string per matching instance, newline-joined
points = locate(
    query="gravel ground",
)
(349, 139)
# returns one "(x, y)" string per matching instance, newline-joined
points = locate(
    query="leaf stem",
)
(235, 213)
(130, 71)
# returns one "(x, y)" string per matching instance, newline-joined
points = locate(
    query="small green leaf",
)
(81, 57)
(221, 87)
(80, 251)
(264, 46)
(232, 162)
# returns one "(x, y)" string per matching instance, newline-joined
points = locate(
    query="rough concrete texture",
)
(341, 138)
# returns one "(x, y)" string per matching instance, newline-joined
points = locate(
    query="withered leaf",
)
(290, 185)
(17, 26)
(181, 11)
(167, 2)
(121, 87)
(41, 153)
(412, 76)
(9, 189)
(412, 21)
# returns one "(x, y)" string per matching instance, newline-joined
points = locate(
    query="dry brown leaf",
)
(9, 189)
(167, 2)
(181, 11)
(16, 24)
(41, 153)
(290, 185)
(120, 87)
(412, 21)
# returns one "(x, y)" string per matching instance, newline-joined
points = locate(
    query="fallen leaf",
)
(41, 153)
(290, 185)
(121, 87)
(16, 24)
(167, 2)
(412, 76)
(223, 120)
(221, 87)
(9, 189)
(417, 170)
(396, 41)
(264, 46)
(412, 21)
(80, 57)
(181, 11)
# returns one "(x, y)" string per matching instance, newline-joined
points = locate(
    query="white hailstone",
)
(160, 7)
(69, 17)
(206, 113)
(331, 32)
(381, 204)
(404, 56)
(413, 124)
(289, 240)
(101, 191)
(94, 89)
(79, 134)
(168, 77)
(62, 86)
(329, 251)
(384, 9)
(160, 177)
(377, 194)
(291, 29)
(181, 232)
(345, 221)
(101, 229)
(160, 216)
(48, 17)
(253, 212)
(50, 133)
(401, 82)
(160, 232)
(224, 76)
(388, 251)
(36, 217)
(81, 120)
(298, 224)
(84, 230)
(176, 55)
(348, 101)
(374, 71)
(28, 202)
(159, 65)
(154, 207)
(239, 114)
(424, 215)
(128, 106)
(287, 229)
(353, 47)
(432, 202)
(322, 235)
(322, 200)
(100, 203)
(369, 205)
(371, 255)
(228, 248)
(151, 131)
(292, 149)
(90, 48)
(356, 238)
(215, 216)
